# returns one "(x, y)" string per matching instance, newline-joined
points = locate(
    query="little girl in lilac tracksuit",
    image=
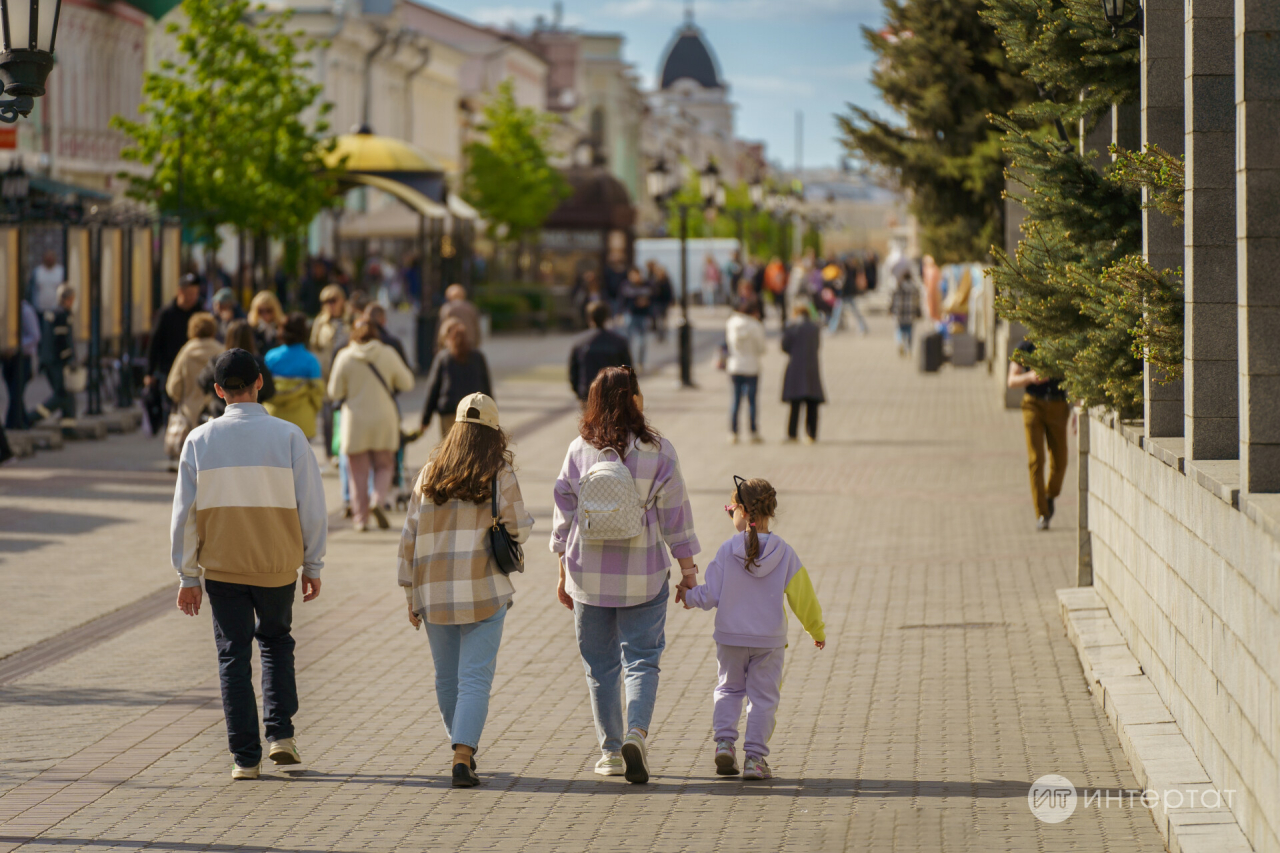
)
(747, 581)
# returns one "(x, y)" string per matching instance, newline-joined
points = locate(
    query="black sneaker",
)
(1050, 515)
(380, 517)
(464, 777)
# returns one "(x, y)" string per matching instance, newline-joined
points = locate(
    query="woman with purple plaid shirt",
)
(617, 588)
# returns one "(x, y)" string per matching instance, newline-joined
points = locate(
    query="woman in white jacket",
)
(366, 376)
(745, 341)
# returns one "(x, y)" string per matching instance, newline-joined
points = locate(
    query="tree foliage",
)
(509, 179)
(942, 68)
(1069, 282)
(765, 234)
(224, 130)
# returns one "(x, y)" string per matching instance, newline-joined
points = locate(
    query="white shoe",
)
(733, 438)
(756, 769)
(360, 527)
(284, 751)
(634, 756)
(611, 764)
(726, 760)
(238, 772)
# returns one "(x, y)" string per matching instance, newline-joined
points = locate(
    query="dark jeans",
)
(60, 399)
(242, 613)
(326, 426)
(743, 385)
(17, 373)
(810, 418)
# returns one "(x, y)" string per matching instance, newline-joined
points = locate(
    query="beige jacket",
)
(323, 332)
(182, 386)
(370, 419)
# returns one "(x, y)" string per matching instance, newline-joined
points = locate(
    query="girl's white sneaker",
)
(726, 760)
(634, 755)
(611, 764)
(756, 769)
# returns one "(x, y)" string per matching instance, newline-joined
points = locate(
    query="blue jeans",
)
(904, 334)
(241, 614)
(614, 641)
(838, 309)
(465, 658)
(743, 385)
(637, 328)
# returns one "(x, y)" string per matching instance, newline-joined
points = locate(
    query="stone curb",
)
(1161, 757)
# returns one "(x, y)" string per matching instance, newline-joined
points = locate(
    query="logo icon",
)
(1052, 798)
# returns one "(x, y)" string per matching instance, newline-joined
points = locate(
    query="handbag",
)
(175, 434)
(75, 378)
(507, 553)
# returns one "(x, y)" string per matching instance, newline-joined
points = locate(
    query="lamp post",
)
(28, 29)
(1114, 11)
(664, 188)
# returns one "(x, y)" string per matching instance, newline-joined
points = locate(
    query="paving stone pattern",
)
(947, 685)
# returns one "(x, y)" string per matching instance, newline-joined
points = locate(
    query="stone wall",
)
(1193, 583)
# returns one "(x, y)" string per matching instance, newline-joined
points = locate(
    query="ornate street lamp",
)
(28, 29)
(1114, 11)
(755, 191)
(709, 183)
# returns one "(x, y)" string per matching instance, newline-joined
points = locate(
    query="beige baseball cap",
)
(486, 411)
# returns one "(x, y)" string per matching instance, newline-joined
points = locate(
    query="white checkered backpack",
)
(609, 507)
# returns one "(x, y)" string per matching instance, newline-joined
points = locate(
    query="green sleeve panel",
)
(804, 604)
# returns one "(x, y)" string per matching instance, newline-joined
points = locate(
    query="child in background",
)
(747, 581)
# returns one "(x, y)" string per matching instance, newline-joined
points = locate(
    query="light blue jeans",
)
(614, 641)
(465, 657)
(838, 310)
(638, 335)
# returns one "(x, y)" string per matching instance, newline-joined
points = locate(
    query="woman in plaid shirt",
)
(617, 589)
(449, 574)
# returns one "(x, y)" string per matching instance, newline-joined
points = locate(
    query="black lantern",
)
(1115, 10)
(28, 28)
(709, 183)
(755, 191)
(657, 182)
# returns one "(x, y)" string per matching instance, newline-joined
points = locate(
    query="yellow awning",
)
(407, 194)
(367, 152)
(393, 222)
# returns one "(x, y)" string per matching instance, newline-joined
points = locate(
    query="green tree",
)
(764, 234)
(224, 130)
(942, 68)
(1066, 282)
(508, 178)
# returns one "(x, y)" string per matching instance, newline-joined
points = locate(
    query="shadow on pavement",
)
(59, 696)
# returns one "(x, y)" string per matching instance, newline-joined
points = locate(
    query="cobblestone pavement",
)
(947, 685)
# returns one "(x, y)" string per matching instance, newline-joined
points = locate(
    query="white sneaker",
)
(733, 438)
(726, 760)
(611, 764)
(238, 772)
(633, 755)
(284, 751)
(756, 769)
(360, 527)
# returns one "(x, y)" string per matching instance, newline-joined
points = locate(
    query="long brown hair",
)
(462, 467)
(759, 502)
(240, 335)
(611, 417)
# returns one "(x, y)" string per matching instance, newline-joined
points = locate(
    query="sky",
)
(778, 56)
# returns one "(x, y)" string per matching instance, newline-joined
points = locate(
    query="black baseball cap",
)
(235, 370)
(191, 280)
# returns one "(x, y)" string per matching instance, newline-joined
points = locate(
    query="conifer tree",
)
(943, 69)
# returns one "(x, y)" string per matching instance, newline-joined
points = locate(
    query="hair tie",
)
(752, 523)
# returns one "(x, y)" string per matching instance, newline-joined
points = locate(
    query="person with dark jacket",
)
(170, 331)
(377, 315)
(802, 384)
(456, 372)
(596, 350)
(240, 335)
(57, 352)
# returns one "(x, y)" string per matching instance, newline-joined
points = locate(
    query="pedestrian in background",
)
(377, 315)
(745, 343)
(775, 283)
(456, 372)
(617, 589)
(752, 574)
(300, 389)
(457, 307)
(459, 592)
(265, 316)
(183, 382)
(328, 331)
(802, 384)
(44, 282)
(850, 283)
(168, 336)
(663, 297)
(261, 515)
(18, 365)
(57, 353)
(1045, 412)
(226, 310)
(596, 350)
(710, 280)
(637, 296)
(239, 336)
(904, 305)
(366, 377)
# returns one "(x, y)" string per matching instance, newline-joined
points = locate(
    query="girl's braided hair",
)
(759, 501)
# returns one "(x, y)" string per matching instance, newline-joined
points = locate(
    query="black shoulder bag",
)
(507, 553)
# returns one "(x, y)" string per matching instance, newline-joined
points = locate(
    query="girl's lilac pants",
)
(754, 675)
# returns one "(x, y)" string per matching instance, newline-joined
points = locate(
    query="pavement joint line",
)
(57, 793)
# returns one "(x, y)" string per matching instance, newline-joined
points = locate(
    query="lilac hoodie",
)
(749, 601)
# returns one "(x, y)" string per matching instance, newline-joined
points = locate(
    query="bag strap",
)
(385, 387)
(494, 498)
